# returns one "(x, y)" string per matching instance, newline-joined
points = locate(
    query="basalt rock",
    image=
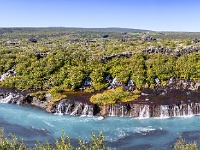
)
(33, 40)
(153, 50)
(104, 59)
(147, 38)
(167, 51)
(34, 101)
(9, 97)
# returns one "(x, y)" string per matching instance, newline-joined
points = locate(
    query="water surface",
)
(121, 133)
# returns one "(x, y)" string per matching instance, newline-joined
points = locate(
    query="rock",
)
(167, 51)
(197, 86)
(105, 36)
(147, 38)
(195, 41)
(33, 40)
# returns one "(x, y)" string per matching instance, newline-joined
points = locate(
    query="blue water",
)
(121, 133)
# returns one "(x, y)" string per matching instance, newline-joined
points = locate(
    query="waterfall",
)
(144, 112)
(122, 111)
(9, 73)
(76, 109)
(182, 109)
(67, 109)
(59, 109)
(111, 110)
(85, 110)
(6, 99)
(90, 111)
(164, 111)
(190, 112)
(176, 111)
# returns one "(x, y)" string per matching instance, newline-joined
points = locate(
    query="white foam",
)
(7, 99)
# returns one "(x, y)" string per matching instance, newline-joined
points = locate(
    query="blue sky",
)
(157, 15)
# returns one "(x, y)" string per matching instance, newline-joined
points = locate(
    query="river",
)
(121, 133)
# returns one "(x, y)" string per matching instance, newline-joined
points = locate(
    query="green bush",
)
(182, 145)
(113, 96)
(97, 143)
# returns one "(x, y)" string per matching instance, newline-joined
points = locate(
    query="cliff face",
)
(146, 111)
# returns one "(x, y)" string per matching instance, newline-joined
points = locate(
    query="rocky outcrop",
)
(153, 50)
(167, 51)
(7, 43)
(22, 98)
(147, 38)
(33, 40)
(9, 97)
(104, 59)
(9, 73)
(40, 54)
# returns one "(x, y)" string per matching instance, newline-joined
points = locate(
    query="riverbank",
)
(177, 98)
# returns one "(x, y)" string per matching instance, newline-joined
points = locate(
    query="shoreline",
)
(161, 101)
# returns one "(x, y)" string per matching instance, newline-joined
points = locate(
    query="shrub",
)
(97, 143)
(113, 96)
(182, 145)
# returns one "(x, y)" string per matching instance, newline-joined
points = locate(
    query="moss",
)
(113, 96)
(57, 94)
(40, 94)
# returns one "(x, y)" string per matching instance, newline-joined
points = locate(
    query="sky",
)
(156, 15)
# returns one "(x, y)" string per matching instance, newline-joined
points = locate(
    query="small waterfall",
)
(190, 111)
(85, 110)
(9, 73)
(144, 112)
(182, 110)
(74, 112)
(122, 111)
(6, 99)
(176, 111)
(67, 109)
(112, 110)
(164, 111)
(59, 109)
(90, 111)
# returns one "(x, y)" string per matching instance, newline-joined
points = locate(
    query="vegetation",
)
(97, 143)
(182, 145)
(113, 96)
(61, 59)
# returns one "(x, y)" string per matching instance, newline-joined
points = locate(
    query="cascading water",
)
(6, 99)
(164, 111)
(176, 111)
(59, 109)
(85, 110)
(111, 110)
(144, 112)
(74, 112)
(190, 111)
(67, 109)
(122, 110)
(73, 108)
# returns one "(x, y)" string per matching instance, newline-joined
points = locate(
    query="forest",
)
(113, 63)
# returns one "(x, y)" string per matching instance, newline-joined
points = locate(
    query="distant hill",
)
(111, 29)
